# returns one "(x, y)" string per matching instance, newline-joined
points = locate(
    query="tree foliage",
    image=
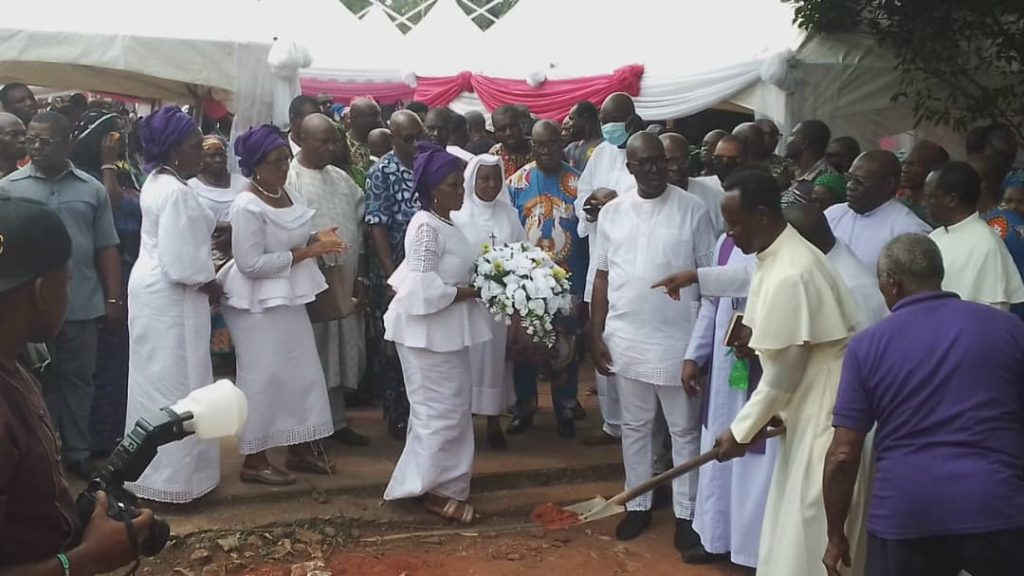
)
(960, 61)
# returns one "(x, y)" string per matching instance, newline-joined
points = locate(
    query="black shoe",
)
(397, 430)
(698, 555)
(578, 413)
(686, 537)
(83, 469)
(350, 437)
(566, 428)
(519, 424)
(633, 525)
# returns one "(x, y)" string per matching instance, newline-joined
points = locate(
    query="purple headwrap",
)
(162, 132)
(430, 167)
(253, 146)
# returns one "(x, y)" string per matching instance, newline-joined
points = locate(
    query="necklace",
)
(442, 218)
(173, 173)
(267, 194)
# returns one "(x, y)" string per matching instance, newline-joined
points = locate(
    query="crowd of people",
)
(871, 307)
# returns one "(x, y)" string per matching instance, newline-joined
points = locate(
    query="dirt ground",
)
(498, 548)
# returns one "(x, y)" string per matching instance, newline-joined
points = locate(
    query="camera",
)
(214, 411)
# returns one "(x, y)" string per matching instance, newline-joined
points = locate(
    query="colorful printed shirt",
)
(358, 153)
(1010, 227)
(391, 201)
(545, 205)
(511, 162)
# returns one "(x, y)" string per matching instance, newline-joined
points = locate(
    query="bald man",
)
(605, 178)
(872, 215)
(363, 116)
(339, 204)
(12, 143)
(924, 158)
(379, 141)
(543, 192)
(390, 205)
(753, 136)
(707, 188)
(639, 336)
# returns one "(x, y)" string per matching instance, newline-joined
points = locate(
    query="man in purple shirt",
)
(942, 382)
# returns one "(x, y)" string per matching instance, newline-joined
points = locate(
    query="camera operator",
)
(39, 529)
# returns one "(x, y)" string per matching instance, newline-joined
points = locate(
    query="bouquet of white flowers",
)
(521, 281)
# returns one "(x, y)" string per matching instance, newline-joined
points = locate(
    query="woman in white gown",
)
(269, 281)
(488, 217)
(169, 295)
(433, 320)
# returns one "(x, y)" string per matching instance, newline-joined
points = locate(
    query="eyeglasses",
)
(726, 159)
(648, 164)
(33, 141)
(547, 147)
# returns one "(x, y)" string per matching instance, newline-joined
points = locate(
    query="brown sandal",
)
(451, 510)
(314, 462)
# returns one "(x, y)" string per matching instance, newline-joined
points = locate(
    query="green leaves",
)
(960, 62)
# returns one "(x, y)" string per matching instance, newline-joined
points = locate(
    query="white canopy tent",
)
(167, 53)
(445, 39)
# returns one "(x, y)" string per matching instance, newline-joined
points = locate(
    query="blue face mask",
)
(615, 133)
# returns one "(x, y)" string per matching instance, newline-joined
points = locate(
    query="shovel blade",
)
(595, 509)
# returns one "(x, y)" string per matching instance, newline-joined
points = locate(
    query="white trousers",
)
(608, 398)
(639, 401)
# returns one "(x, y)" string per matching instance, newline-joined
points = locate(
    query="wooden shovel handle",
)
(684, 468)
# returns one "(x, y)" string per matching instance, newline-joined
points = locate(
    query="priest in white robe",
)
(487, 217)
(605, 178)
(639, 335)
(339, 204)
(801, 317)
(731, 495)
(978, 265)
(872, 215)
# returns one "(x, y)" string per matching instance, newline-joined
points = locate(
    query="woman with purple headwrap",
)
(169, 295)
(433, 320)
(269, 281)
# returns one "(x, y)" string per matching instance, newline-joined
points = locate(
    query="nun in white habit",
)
(433, 320)
(487, 217)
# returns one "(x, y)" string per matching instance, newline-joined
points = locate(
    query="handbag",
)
(336, 302)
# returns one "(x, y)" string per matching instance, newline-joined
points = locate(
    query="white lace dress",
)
(278, 366)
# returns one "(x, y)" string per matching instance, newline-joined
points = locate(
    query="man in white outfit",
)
(639, 335)
(978, 265)
(604, 178)
(872, 215)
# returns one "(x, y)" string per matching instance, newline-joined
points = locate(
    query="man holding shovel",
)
(801, 316)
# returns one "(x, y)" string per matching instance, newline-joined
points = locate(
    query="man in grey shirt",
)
(95, 277)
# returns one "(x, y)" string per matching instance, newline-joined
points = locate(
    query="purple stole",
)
(724, 253)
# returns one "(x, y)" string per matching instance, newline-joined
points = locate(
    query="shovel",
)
(598, 508)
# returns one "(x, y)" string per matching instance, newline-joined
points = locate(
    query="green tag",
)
(739, 376)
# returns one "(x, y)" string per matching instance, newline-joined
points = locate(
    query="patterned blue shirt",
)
(391, 201)
(545, 205)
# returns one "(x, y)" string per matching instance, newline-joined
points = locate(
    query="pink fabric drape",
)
(344, 92)
(553, 99)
